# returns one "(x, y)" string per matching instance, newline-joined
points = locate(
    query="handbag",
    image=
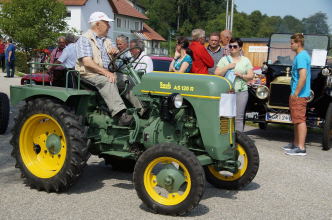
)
(230, 74)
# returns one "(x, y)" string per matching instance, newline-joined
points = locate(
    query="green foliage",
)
(33, 24)
(21, 62)
(316, 24)
(210, 15)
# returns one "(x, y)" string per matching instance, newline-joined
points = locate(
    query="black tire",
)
(4, 112)
(244, 175)
(262, 125)
(191, 170)
(53, 171)
(327, 130)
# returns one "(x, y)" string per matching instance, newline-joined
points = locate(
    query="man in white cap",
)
(93, 53)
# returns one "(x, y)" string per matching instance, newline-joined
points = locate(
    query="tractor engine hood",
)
(188, 85)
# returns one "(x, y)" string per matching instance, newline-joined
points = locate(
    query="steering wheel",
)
(113, 67)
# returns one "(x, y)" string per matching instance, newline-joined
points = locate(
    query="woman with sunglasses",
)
(242, 70)
(183, 57)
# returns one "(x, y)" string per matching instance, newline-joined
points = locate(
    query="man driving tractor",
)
(93, 53)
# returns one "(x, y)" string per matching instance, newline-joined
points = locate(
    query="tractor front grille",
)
(279, 94)
(224, 125)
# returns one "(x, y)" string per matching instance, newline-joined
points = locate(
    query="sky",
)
(297, 8)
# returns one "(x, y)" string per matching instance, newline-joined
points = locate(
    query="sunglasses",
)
(233, 46)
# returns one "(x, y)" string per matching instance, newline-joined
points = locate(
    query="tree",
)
(316, 24)
(33, 24)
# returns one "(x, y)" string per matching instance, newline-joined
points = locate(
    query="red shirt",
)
(202, 59)
(2, 48)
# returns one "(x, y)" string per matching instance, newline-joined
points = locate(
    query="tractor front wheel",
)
(249, 159)
(49, 145)
(169, 179)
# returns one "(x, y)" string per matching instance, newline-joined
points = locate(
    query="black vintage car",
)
(269, 103)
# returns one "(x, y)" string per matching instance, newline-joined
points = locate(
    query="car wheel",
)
(249, 158)
(4, 112)
(169, 179)
(49, 145)
(262, 125)
(327, 130)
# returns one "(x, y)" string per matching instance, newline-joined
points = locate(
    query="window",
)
(68, 14)
(137, 26)
(118, 22)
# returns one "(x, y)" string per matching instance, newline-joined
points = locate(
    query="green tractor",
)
(178, 143)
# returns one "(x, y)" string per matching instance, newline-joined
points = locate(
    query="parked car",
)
(36, 79)
(269, 103)
(161, 63)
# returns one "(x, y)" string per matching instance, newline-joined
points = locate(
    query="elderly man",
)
(202, 59)
(93, 53)
(215, 50)
(67, 58)
(142, 61)
(122, 43)
(225, 37)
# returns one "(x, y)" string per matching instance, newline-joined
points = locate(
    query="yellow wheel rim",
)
(157, 193)
(34, 153)
(227, 176)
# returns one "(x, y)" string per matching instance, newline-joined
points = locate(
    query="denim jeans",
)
(10, 66)
(2, 62)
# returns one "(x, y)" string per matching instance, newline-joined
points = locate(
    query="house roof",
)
(122, 7)
(151, 34)
(74, 2)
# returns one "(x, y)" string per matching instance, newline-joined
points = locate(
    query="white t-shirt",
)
(141, 61)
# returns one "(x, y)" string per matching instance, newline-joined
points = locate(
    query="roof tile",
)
(122, 7)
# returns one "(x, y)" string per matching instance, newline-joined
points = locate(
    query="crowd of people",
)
(93, 52)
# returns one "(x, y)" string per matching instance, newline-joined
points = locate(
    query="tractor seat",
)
(85, 84)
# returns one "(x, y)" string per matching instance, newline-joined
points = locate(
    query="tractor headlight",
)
(326, 72)
(262, 92)
(264, 68)
(177, 100)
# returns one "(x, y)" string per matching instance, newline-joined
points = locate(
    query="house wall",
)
(124, 25)
(74, 21)
(80, 15)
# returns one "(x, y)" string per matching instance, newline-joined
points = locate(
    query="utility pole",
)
(229, 14)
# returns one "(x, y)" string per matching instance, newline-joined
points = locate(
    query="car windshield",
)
(281, 54)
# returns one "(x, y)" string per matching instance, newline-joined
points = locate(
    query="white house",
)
(128, 20)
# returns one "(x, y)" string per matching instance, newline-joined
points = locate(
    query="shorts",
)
(298, 108)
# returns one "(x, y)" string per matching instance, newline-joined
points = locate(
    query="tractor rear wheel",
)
(49, 145)
(169, 179)
(4, 112)
(249, 158)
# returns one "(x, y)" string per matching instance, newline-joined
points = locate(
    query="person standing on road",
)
(225, 37)
(215, 50)
(2, 55)
(242, 70)
(10, 58)
(300, 92)
(182, 59)
(202, 60)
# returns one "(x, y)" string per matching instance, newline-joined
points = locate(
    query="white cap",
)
(99, 16)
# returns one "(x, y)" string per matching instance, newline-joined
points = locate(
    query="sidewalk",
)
(5, 83)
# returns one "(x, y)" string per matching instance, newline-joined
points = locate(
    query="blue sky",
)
(297, 8)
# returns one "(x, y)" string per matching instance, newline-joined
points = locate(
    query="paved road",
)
(284, 188)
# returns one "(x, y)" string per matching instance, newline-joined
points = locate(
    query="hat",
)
(99, 16)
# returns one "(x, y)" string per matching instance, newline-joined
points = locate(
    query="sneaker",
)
(296, 152)
(288, 147)
(125, 119)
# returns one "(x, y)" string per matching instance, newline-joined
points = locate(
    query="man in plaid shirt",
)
(93, 50)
